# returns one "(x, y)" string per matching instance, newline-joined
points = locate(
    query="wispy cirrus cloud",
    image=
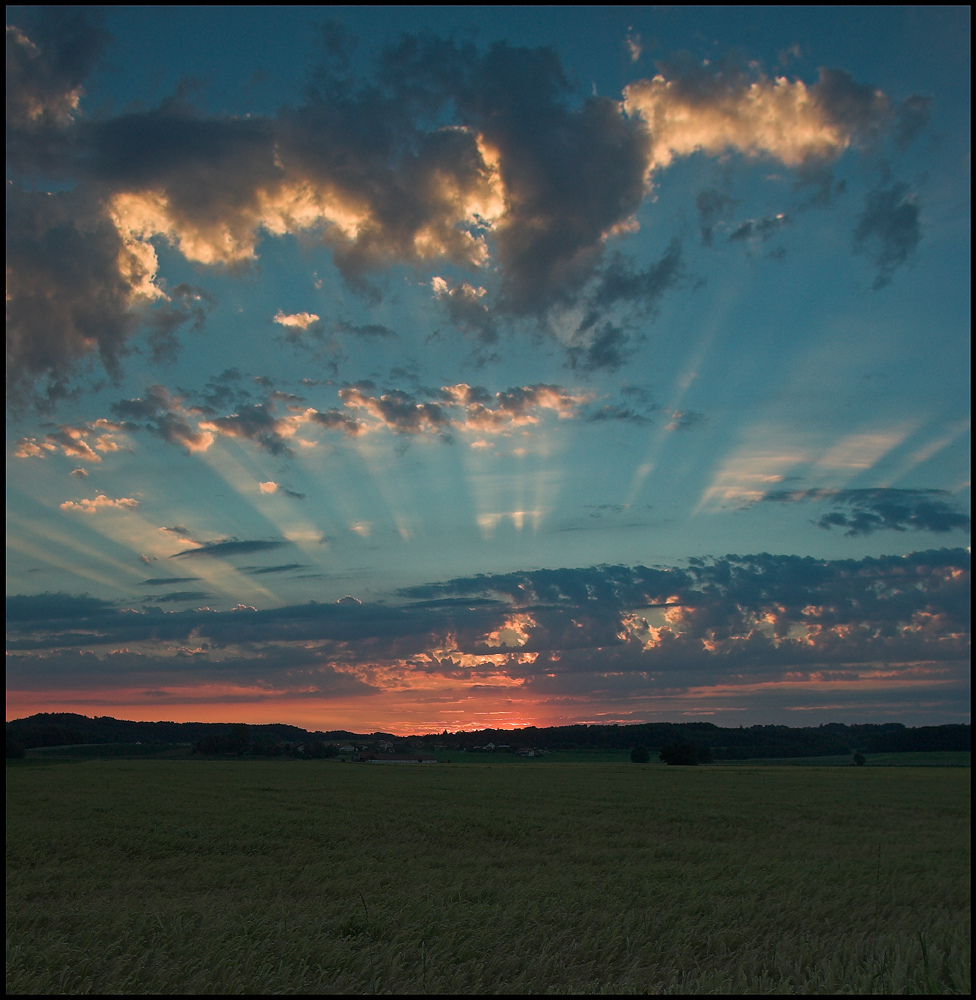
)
(888, 230)
(231, 547)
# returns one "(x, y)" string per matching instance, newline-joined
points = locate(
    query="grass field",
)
(300, 877)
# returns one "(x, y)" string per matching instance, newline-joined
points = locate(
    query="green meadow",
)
(193, 876)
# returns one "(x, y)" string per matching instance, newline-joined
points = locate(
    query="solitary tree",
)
(859, 758)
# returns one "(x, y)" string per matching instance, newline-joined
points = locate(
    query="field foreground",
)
(317, 877)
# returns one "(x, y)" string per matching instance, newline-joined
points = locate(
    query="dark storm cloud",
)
(49, 54)
(569, 174)
(862, 512)
(232, 547)
(75, 286)
(65, 289)
(888, 230)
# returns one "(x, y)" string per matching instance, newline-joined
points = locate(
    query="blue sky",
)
(412, 368)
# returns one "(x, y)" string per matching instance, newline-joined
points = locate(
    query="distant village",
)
(385, 752)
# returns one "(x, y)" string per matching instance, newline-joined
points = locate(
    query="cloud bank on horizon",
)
(432, 309)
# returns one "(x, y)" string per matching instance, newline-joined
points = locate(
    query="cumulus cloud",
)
(398, 411)
(723, 108)
(337, 420)
(260, 424)
(595, 632)
(864, 511)
(100, 502)
(518, 181)
(72, 285)
(165, 416)
(426, 412)
(298, 321)
(84, 441)
(515, 407)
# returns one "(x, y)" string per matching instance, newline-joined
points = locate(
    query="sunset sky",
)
(411, 369)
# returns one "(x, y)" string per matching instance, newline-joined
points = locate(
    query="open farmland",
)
(294, 877)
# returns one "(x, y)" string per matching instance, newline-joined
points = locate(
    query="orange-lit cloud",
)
(713, 112)
(298, 321)
(100, 502)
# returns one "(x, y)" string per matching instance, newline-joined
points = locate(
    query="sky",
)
(410, 369)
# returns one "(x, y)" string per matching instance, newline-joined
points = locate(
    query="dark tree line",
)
(60, 729)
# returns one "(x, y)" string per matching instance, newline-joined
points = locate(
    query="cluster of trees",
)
(674, 753)
(740, 743)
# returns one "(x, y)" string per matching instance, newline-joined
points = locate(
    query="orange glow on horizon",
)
(459, 706)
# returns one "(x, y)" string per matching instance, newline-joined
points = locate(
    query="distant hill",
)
(65, 728)
(49, 729)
